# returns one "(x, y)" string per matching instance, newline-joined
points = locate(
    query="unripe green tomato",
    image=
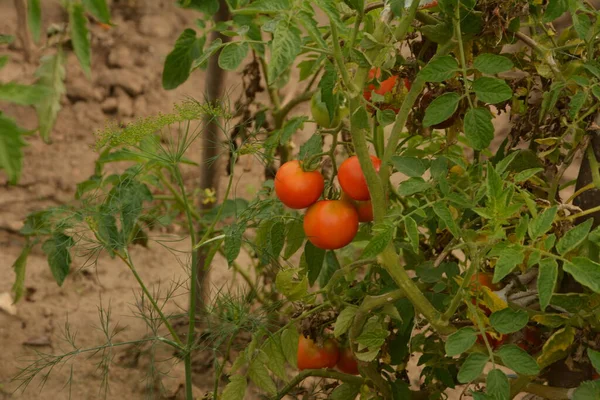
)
(321, 114)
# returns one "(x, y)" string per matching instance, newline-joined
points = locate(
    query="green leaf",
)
(592, 354)
(127, 198)
(589, 390)
(289, 345)
(478, 127)
(330, 8)
(442, 211)
(386, 117)
(314, 257)
(509, 258)
(6, 39)
(413, 186)
(312, 146)
(441, 108)
(291, 127)
(346, 391)
(508, 320)
(581, 24)
(412, 231)
(34, 19)
(232, 55)
(577, 101)
(80, 37)
(235, 389)
(518, 360)
(3, 61)
(25, 95)
(11, 148)
(497, 385)
(491, 90)
(344, 321)
(19, 266)
(542, 223)
(276, 239)
(574, 238)
(547, 277)
(492, 63)
(290, 287)
(472, 368)
(410, 166)
(106, 229)
(331, 265)
(460, 341)
(378, 243)
(59, 258)
(285, 47)
(373, 338)
(51, 74)
(593, 67)
(494, 186)
(99, 9)
(528, 173)
(294, 238)
(199, 60)
(325, 93)
(259, 375)
(264, 6)
(178, 63)
(233, 240)
(585, 271)
(360, 119)
(439, 69)
(310, 24)
(275, 357)
(555, 9)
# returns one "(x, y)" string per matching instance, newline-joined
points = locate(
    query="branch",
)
(322, 373)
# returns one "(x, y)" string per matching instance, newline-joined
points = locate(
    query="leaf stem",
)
(461, 50)
(339, 58)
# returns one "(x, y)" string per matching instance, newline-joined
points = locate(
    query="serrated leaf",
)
(412, 231)
(310, 24)
(51, 74)
(554, 9)
(25, 95)
(291, 126)
(439, 69)
(526, 174)
(199, 61)
(556, 347)
(378, 243)
(460, 341)
(346, 391)
(547, 277)
(290, 287)
(497, 385)
(276, 358)
(314, 257)
(589, 390)
(294, 238)
(413, 186)
(491, 90)
(386, 117)
(478, 127)
(472, 368)
(178, 62)
(59, 258)
(344, 321)
(373, 338)
(259, 375)
(492, 63)
(508, 320)
(233, 241)
(11, 148)
(574, 238)
(235, 389)
(312, 146)
(331, 265)
(99, 9)
(232, 55)
(518, 360)
(494, 186)
(442, 211)
(34, 19)
(285, 47)
(19, 267)
(509, 258)
(593, 355)
(542, 223)
(577, 101)
(441, 108)
(585, 271)
(410, 166)
(582, 24)
(330, 8)
(264, 6)
(289, 345)
(127, 198)
(276, 239)
(80, 36)
(326, 86)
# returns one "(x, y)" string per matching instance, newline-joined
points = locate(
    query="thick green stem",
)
(321, 373)
(461, 51)
(339, 58)
(406, 21)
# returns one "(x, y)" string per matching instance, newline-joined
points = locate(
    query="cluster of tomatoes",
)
(328, 224)
(329, 355)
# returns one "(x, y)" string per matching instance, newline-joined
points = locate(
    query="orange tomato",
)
(352, 179)
(347, 363)
(312, 356)
(297, 188)
(331, 224)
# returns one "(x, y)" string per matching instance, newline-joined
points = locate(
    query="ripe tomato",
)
(331, 224)
(493, 341)
(353, 181)
(363, 208)
(432, 4)
(387, 86)
(297, 188)
(347, 363)
(321, 115)
(310, 355)
(483, 279)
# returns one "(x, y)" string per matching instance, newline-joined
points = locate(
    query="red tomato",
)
(347, 363)
(363, 208)
(384, 87)
(532, 339)
(353, 181)
(430, 5)
(310, 355)
(297, 188)
(495, 343)
(483, 279)
(331, 224)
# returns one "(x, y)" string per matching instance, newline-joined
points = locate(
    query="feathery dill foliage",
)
(189, 110)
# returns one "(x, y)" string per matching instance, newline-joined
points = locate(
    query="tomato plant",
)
(297, 188)
(311, 355)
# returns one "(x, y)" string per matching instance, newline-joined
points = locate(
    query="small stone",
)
(120, 57)
(6, 304)
(140, 105)
(110, 105)
(39, 341)
(132, 82)
(155, 26)
(124, 103)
